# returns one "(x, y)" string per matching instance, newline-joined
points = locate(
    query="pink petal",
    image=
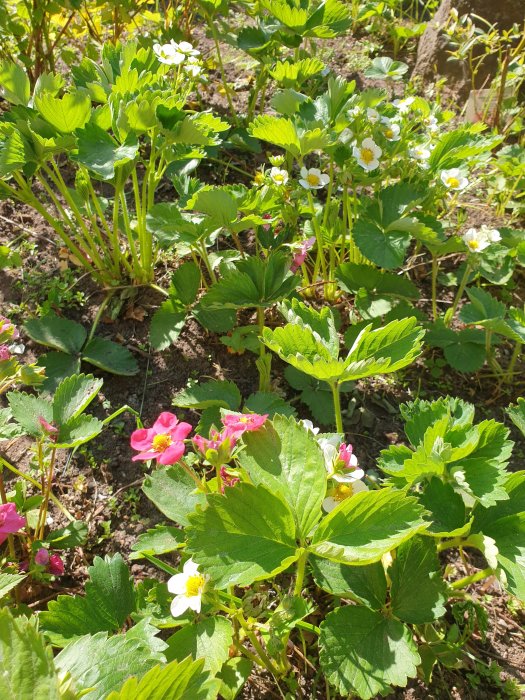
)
(165, 423)
(141, 439)
(146, 456)
(172, 454)
(181, 431)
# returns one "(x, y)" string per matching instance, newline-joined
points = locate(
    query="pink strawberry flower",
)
(7, 327)
(237, 423)
(163, 442)
(50, 430)
(42, 557)
(220, 442)
(56, 565)
(302, 252)
(10, 521)
(5, 353)
(228, 479)
(347, 457)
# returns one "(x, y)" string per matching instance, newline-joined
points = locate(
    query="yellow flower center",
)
(367, 155)
(160, 443)
(194, 585)
(258, 179)
(312, 179)
(453, 182)
(389, 133)
(278, 178)
(342, 491)
(473, 245)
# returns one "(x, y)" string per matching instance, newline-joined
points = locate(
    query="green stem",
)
(38, 485)
(45, 502)
(301, 569)
(320, 260)
(337, 407)
(264, 379)
(189, 471)
(450, 313)
(435, 268)
(98, 315)
(213, 29)
(57, 179)
(160, 564)
(510, 369)
(204, 255)
(467, 580)
(257, 645)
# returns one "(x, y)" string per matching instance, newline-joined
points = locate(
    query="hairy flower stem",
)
(38, 485)
(320, 262)
(451, 312)
(41, 522)
(435, 268)
(467, 580)
(510, 369)
(189, 471)
(267, 662)
(337, 407)
(264, 362)
(301, 569)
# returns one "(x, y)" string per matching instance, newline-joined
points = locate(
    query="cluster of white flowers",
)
(477, 240)
(175, 54)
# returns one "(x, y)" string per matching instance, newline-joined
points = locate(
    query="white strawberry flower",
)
(192, 66)
(310, 426)
(186, 48)
(453, 179)
(403, 106)
(491, 233)
(278, 176)
(342, 491)
(372, 115)
(169, 54)
(419, 153)
(330, 449)
(431, 123)
(477, 240)
(368, 154)
(188, 588)
(313, 179)
(391, 131)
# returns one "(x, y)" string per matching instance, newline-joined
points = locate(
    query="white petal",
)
(177, 584)
(304, 184)
(190, 568)
(348, 478)
(329, 504)
(304, 172)
(195, 603)
(179, 605)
